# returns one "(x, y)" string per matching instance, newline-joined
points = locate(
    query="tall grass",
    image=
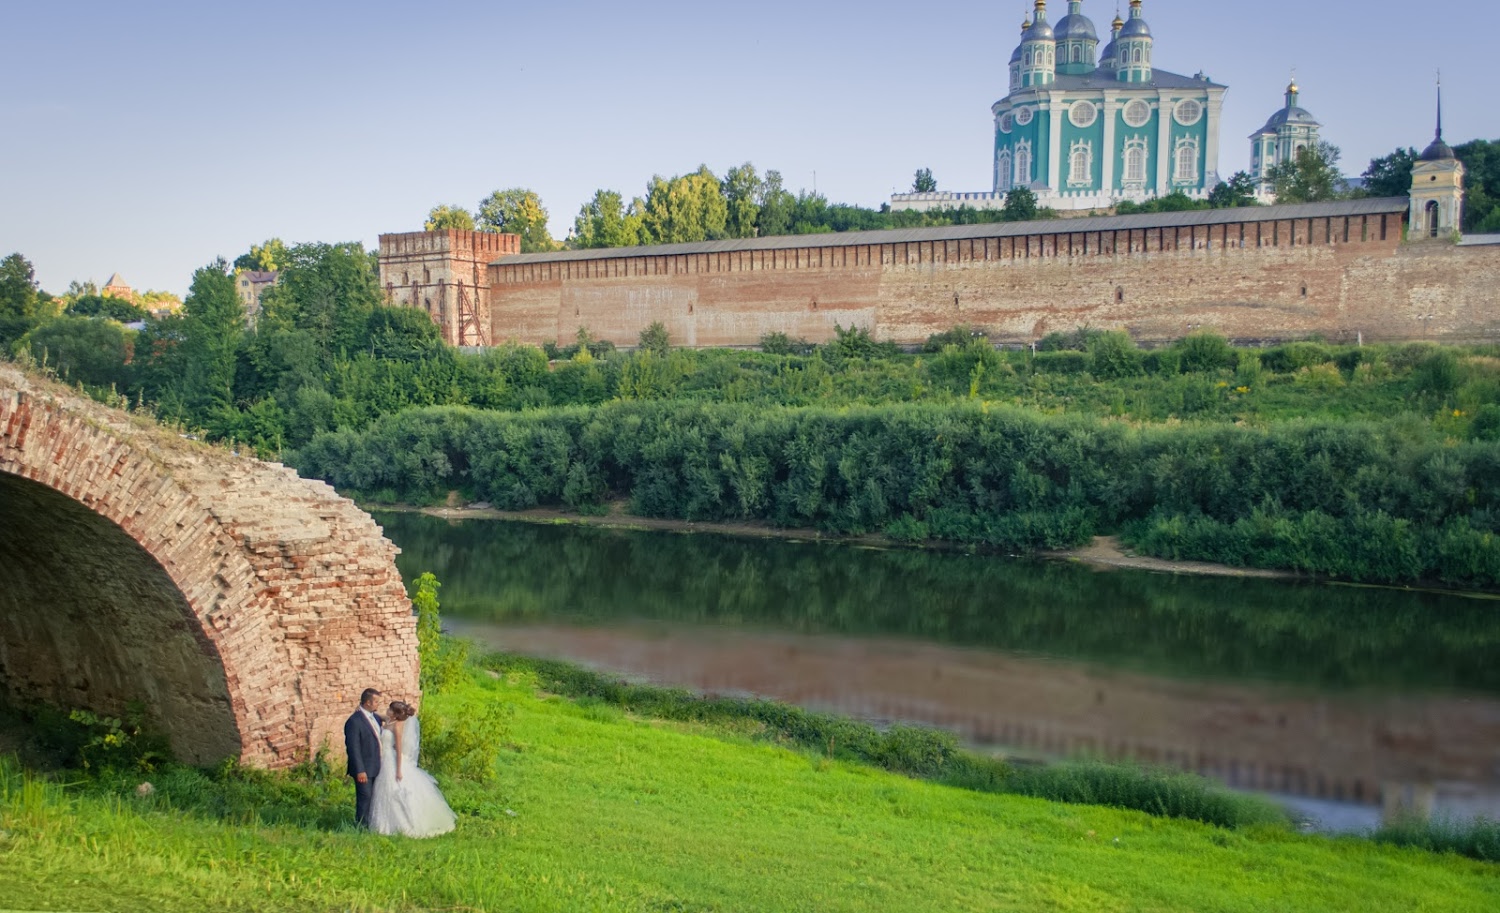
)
(1477, 838)
(915, 751)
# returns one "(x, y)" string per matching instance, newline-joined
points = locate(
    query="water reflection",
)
(1361, 697)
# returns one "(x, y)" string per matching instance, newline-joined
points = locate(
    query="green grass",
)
(616, 813)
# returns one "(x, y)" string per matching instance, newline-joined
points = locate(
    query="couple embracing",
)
(392, 795)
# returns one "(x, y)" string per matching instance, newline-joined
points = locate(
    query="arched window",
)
(1432, 218)
(1004, 177)
(1079, 171)
(1077, 53)
(1137, 55)
(1187, 162)
(1023, 164)
(1135, 163)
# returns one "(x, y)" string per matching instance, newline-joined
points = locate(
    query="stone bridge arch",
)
(244, 606)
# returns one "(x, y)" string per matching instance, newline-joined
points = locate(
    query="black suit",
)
(362, 746)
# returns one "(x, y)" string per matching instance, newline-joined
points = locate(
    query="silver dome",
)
(1136, 28)
(1076, 28)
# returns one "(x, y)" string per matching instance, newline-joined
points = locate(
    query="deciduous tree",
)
(443, 217)
(1312, 176)
(1239, 190)
(605, 222)
(1390, 175)
(688, 207)
(742, 189)
(18, 288)
(265, 258)
(213, 329)
(517, 211)
(1020, 205)
(924, 181)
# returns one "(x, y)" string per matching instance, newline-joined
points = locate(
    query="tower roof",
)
(1040, 30)
(1437, 150)
(1076, 26)
(1136, 27)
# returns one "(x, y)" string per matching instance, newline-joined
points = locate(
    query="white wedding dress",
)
(412, 806)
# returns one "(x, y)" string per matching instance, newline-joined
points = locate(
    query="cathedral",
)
(1085, 129)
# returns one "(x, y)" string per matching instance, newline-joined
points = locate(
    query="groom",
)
(362, 745)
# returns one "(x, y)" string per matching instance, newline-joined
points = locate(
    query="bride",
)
(406, 799)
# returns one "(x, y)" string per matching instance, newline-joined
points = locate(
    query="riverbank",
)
(600, 808)
(1102, 552)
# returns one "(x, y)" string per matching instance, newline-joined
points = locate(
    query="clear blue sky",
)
(150, 137)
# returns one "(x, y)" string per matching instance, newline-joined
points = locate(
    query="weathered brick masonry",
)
(1338, 269)
(246, 606)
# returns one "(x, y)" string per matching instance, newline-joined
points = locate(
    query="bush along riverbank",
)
(632, 799)
(1390, 502)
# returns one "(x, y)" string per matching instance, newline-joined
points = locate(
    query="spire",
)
(1439, 136)
(1439, 151)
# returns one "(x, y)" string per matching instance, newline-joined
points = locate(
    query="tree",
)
(775, 210)
(655, 338)
(1481, 160)
(328, 291)
(18, 288)
(605, 222)
(213, 328)
(1311, 176)
(1020, 205)
(688, 207)
(1239, 190)
(742, 190)
(263, 258)
(517, 211)
(443, 217)
(1390, 175)
(924, 182)
(96, 353)
(108, 308)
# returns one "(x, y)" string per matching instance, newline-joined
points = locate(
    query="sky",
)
(149, 138)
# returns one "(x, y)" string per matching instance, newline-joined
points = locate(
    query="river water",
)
(1348, 703)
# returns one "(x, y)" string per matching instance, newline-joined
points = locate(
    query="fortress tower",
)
(445, 274)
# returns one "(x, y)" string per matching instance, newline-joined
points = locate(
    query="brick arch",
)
(246, 606)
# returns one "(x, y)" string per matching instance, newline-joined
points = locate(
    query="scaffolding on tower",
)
(470, 329)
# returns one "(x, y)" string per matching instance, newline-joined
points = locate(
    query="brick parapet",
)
(292, 589)
(1257, 278)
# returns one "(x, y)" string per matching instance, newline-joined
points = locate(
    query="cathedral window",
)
(1137, 58)
(1083, 114)
(1023, 163)
(1135, 162)
(1080, 165)
(1189, 111)
(1137, 113)
(1004, 176)
(1186, 170)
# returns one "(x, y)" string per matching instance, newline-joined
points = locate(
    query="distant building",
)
(117, 288)
(1286, 133)
(251, 284)
(1437, 188)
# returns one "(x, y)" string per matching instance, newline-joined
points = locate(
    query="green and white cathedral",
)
(1085, 130)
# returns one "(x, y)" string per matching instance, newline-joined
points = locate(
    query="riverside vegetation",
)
(578, 792)
(1370, 463)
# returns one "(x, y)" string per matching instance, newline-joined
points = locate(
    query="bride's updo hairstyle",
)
(401, 710)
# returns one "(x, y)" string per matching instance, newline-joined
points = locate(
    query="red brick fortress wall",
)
(1340, 269)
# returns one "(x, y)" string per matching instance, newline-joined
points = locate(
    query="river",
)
(1350, 704)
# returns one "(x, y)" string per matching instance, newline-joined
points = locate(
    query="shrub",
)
(1437, 374)
(1205, 352)
(442, 658)
(959, 336)
(464, 744)
(655, 338)
(1294, 356)
(1324, 378)
(1113, 354)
